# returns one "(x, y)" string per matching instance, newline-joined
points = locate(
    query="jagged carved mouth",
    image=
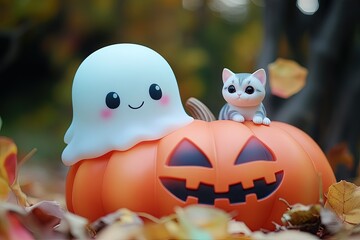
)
(207, 195)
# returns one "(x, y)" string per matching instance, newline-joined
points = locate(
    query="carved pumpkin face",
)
(241, 168)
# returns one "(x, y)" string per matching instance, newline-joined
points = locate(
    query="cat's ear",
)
(226, 74)
(261, 75)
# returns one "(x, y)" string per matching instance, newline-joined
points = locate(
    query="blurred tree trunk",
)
(325, 108)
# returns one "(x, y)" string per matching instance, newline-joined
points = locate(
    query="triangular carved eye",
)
(187, 154)
(254, 150)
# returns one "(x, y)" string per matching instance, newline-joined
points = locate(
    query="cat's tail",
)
(199, 110)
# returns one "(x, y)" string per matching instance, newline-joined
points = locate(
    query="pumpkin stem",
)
(199, 110)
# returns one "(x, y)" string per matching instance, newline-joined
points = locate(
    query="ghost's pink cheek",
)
(165, 100)
(106, 114)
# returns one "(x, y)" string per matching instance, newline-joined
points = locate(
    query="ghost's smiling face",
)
(122, 94)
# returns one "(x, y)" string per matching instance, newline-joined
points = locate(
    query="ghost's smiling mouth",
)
(136, 107)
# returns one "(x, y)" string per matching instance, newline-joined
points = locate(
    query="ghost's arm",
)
(69, 134)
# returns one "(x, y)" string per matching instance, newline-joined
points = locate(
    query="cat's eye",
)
(231, 89)
(112, 100)
(155, 91)
(249, 90)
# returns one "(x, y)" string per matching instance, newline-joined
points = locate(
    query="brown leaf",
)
(340, 154)
(344, 199)
(286, 77)
(303, 217)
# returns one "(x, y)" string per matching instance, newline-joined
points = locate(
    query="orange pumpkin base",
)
(241, 168)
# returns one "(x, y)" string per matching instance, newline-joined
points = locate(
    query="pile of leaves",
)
(21, 218)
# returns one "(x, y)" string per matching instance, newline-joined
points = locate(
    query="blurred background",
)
(42, 42)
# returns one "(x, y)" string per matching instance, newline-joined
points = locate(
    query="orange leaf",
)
(8, 160)
(340, 154)
(344, 199)
(286, 77)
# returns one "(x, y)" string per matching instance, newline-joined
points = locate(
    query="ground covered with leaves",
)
(23, 215)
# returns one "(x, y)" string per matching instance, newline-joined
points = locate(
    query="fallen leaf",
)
(330, 221)
(340, 154)
(117, 231)
(8, 160)
(8, 171)
(303, 217)
(344, 199)
(10, 225)
(122, 216)
(236, 227)
(16, 230)
(286, 77)
(73, 226)
(284, 235)
(202, 222)
(4, 189)
(46, 213)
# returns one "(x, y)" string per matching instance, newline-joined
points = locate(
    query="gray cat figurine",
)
(244, 93)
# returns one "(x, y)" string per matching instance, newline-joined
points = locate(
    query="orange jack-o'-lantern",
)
(241, 168)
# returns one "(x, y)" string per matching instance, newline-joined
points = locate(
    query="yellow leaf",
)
(4, 189)
(204, 222)
(344, 199)
(286, 77)
(8, 160)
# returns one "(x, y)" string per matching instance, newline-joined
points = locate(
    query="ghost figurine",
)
(122, 94)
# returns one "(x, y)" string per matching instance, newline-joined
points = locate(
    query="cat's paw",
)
(238, 118)
(266, 121)
(257, 120)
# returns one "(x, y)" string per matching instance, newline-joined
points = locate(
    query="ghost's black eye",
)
(155, 91)
(249, 90)
(231, 89)
(112, 100)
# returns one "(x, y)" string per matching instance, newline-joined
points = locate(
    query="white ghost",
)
(122, 94)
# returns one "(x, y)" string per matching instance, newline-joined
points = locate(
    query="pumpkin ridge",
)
(102, 180)
(156, 186)
(295, 140)
(69, 186)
